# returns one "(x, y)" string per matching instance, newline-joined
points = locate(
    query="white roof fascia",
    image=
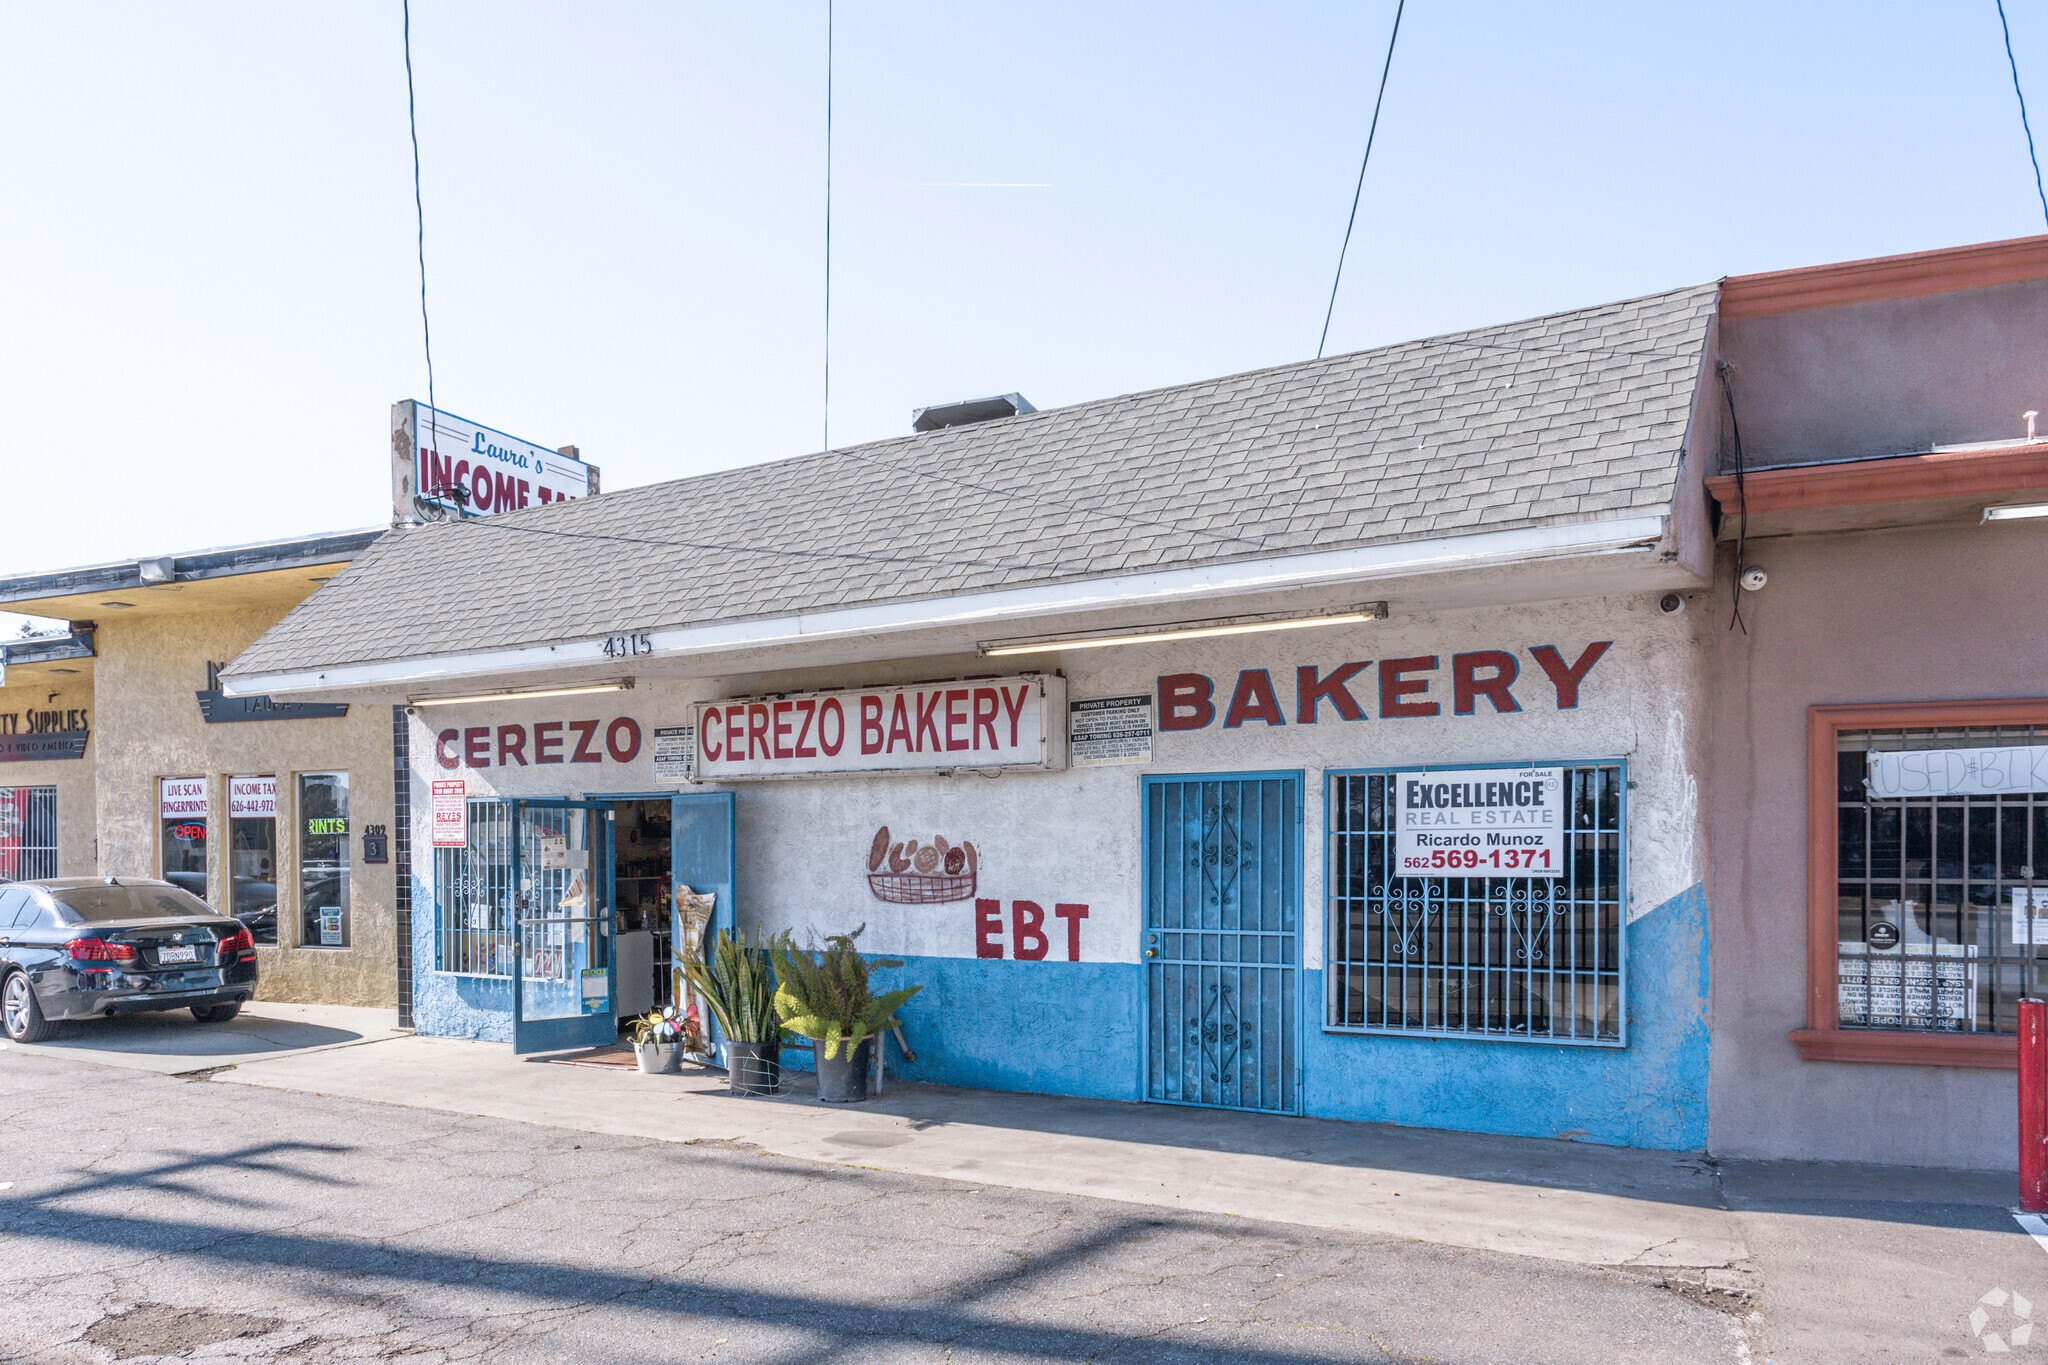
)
(1369, 563)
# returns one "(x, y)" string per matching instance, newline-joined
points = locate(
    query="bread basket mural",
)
(910, 873)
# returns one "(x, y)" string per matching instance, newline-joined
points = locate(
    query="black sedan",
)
(82, 947)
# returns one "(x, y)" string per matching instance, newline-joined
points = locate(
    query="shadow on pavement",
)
(830, 1325)
(175, 1033)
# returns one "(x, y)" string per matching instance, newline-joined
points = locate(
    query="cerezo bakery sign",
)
(1015, 722)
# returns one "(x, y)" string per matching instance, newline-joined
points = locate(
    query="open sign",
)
(188, 831)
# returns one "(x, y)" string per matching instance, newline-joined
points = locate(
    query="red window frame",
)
(1824, 1039)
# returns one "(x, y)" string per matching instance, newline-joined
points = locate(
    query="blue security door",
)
(1222, 945)
(563, 991)
(701, 857)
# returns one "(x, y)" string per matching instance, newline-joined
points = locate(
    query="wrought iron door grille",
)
(1942, 902)
(473, 896)
(28, 833)
(1526, 959)
(1222, 942)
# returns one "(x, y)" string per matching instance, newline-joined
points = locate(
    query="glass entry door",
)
(562, 988)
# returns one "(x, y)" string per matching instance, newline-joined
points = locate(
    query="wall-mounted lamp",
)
(2016, 511)
(1186, 630)
(616, 685)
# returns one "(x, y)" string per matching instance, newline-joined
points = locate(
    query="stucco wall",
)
(1889, 376)
(36, 689)
(1075, 837)
(1888, 616)
(149, 727)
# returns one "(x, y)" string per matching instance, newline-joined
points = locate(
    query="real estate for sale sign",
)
(1484, 821)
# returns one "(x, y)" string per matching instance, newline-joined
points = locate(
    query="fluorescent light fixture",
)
(616, 685)
(2016, 511)
(1186, 630)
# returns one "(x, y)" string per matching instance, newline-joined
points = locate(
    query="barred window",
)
(1532, 959)
(473, 896)
(28, 833)
(1941, 901)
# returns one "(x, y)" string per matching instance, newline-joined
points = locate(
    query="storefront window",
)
(323, 860)
(1941, 877)
(1528, 958)
(181, 816)
(252, 854)
(28, 833)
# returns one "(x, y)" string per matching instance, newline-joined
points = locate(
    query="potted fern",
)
(825, 997)
(740, 990)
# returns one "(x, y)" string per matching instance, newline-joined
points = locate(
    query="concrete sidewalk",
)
(1558, 1200)
(173, 1043)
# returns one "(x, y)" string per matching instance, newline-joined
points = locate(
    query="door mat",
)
(610, 1058)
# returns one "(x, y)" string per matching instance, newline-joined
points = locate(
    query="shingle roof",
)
(1573, 417)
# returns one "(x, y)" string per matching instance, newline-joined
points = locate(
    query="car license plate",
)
(186, 954)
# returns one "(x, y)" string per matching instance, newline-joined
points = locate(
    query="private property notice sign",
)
(1484, 821)
(1013, 722)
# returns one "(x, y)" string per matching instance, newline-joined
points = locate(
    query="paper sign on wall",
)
(1492, 821)
(675, 753)
(451, 814)
(1103, 731)
(1958, 772)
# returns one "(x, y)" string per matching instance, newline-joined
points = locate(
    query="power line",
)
(412, 120)
(828, 227)
(1360, 190)
(2013, 62)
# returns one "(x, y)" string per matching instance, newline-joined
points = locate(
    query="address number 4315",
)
(627, 646)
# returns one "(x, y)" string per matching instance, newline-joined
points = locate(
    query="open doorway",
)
(643, 877)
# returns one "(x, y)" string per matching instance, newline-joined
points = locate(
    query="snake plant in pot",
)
(824, 996)
(740, 989)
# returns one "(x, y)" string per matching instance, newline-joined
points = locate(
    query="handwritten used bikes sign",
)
(971, 723)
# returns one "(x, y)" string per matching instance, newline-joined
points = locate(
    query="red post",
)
(2034, 1106)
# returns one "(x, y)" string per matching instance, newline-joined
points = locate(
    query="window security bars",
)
(1526, 959)
(1942, 902)
(28, 833)
(475, 899)
(473, 896)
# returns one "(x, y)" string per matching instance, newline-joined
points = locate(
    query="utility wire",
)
(2013, 62)
(1360, 190)
(1741, 499)
(412, 119)
(828, 227)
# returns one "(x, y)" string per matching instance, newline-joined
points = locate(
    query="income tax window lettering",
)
(1492, 954)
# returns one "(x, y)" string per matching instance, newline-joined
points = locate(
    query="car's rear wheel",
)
(216, 1014)
(20, 1013)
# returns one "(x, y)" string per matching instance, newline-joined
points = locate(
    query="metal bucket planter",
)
(843, 1079)
(656, 1058)
(753, 1068)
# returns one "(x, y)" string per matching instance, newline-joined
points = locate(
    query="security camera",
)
(1671, 603)
(1754, 579)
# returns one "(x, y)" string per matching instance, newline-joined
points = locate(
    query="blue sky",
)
(210, 303)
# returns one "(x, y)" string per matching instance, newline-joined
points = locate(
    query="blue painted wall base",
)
(1066, 1028)
(1652, 1093)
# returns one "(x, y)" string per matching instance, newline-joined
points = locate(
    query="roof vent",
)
(969, 412)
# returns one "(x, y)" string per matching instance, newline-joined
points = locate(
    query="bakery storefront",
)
(1408, 870)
